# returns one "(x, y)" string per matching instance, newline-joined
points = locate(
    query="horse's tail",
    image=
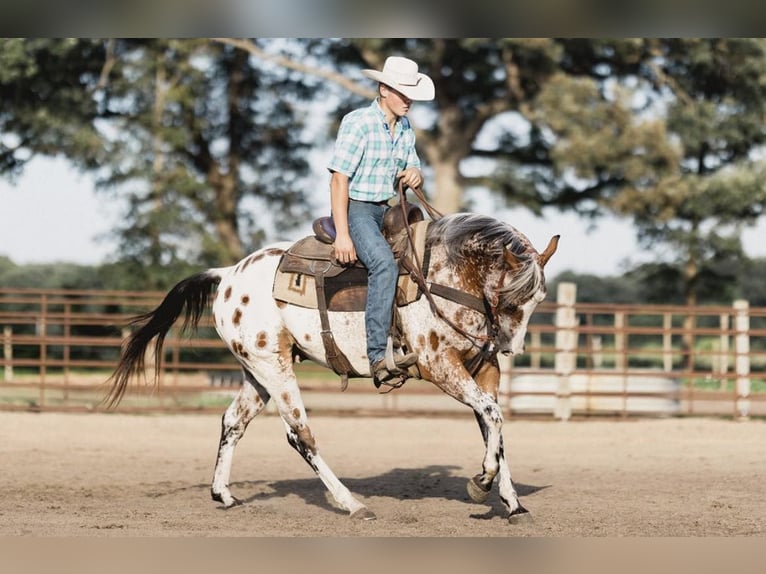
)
(191, 296)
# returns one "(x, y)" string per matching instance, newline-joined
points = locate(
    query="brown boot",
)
(393, 375)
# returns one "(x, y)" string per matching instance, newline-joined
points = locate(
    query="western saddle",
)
(344, 287)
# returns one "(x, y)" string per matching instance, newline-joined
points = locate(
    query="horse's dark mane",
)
(465, 234)
(461, 233)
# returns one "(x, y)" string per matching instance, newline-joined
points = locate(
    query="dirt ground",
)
(113, 475)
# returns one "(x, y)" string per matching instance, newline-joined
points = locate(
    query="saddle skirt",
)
(344, 287)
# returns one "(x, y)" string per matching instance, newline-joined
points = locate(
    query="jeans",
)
(365, 223)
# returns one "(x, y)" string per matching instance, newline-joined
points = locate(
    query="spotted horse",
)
(457, 344)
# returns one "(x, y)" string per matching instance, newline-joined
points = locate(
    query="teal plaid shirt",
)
(369, 156)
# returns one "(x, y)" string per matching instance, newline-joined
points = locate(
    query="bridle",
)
(486, 343)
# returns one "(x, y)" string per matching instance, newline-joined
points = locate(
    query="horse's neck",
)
(469, 276)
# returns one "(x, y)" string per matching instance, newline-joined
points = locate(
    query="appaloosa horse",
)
(486, 260)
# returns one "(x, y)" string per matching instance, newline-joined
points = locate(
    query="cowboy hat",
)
(402, 75)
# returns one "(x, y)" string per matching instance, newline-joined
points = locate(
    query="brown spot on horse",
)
(433, 339)
(262, 339)
(273, 252)
(245, 299)
(237, 317)
(239, 349)
(227, 293)
(420, 342)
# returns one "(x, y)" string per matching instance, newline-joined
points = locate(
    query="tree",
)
(477, 81)
(197, 137)
(671, 145)
(663, 131)
(46, 101)
(210, 132)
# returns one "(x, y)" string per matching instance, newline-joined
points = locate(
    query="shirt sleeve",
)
(412, 156)
(349, 148)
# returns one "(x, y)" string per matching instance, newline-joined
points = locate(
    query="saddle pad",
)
(348, 290)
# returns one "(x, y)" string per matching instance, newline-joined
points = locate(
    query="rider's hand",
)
(411, 177)
(344, 249)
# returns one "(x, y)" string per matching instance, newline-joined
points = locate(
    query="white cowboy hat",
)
(402, 75)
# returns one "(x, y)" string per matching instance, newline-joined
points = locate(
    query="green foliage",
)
(47, 103)
(208, 143)
(191, 133)
(50, 276)
(667, 141)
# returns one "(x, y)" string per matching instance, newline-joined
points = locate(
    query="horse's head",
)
(489, 256)
(519, 289)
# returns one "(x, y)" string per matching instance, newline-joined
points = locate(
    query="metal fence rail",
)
(59, 347)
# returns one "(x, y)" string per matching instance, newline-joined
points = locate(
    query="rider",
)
(375, 148)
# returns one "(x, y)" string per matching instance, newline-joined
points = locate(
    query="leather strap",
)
(337, 361)
(460, 297)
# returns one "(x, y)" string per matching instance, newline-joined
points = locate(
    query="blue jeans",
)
(365, 224)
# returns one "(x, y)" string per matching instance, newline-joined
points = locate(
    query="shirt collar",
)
(403, 122)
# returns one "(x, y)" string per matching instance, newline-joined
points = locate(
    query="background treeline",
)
(208, 143)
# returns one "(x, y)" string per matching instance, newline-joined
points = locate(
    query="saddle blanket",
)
(346, 291)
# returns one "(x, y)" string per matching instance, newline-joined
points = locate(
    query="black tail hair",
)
(192, 295)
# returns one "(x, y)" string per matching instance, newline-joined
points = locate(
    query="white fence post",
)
(742, 354)
(566, 343)
(723, 348)
(8, 353)
(667, 342)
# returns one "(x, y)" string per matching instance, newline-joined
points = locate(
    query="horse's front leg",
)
(488, 380)
(449, 374)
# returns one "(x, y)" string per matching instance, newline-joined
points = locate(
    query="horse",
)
(457, 343)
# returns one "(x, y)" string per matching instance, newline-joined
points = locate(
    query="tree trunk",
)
(226, 226)
(447, 196)
(444, 151)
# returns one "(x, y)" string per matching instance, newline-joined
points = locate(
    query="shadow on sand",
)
(430, 482)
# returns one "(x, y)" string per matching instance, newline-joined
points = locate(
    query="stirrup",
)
(401, 363)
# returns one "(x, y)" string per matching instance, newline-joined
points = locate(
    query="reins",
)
(479, 304)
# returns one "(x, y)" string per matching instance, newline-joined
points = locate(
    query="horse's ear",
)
(549, 251)
(512, 261)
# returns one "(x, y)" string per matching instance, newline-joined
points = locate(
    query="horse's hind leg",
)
(300, 437)
(250, 401)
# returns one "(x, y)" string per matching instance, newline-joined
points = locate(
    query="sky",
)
(54, 214)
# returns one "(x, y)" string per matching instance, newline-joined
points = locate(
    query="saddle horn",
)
(549, 251)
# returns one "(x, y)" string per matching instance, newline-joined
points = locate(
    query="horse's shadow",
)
(434, 481)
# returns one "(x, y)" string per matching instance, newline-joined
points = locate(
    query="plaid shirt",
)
(369, 156)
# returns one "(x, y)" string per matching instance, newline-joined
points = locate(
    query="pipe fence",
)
(582, 359)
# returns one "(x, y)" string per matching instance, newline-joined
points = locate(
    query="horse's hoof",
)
(363, 514)
(521, 516)
(218, 497)
(476, 491)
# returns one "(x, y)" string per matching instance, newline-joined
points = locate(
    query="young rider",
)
(374, 149)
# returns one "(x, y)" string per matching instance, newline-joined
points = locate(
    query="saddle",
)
(310, 276)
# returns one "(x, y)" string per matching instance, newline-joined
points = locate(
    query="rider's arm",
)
(344, 247)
